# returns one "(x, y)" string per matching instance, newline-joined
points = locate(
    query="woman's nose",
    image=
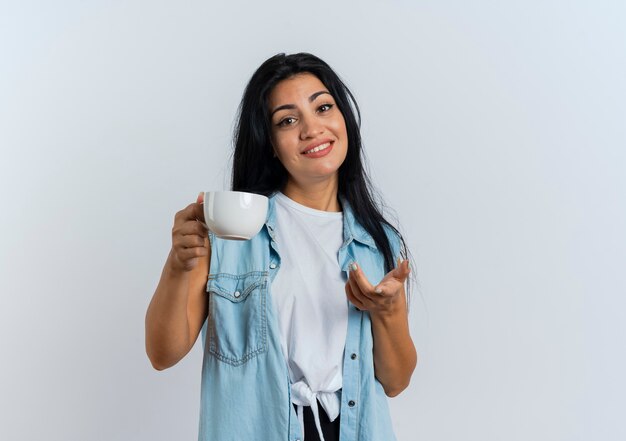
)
(310, 127)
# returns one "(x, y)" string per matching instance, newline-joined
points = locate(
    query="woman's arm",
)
(395, 356)
(179, 305)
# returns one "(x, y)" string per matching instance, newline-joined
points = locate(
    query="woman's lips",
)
(320, 153)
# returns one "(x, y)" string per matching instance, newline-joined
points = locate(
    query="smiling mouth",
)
(319, 148)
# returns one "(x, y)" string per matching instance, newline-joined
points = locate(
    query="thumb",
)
(200, 198)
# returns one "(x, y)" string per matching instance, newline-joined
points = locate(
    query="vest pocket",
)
(237, 323)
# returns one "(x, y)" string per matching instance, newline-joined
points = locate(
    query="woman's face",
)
(304, 118)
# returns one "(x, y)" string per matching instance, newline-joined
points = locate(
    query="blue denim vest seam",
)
(213, 276)
(229, 296)
(359, 403)
(214, 288)
(265, 289)
(226, 293)
(238, 362)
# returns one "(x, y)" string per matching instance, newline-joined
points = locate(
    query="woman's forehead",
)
(301, 85)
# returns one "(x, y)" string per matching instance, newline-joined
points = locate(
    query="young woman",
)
(305, 325)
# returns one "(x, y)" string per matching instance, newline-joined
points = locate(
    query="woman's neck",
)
(319, 195)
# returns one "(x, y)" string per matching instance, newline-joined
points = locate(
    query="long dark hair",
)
(256, 170)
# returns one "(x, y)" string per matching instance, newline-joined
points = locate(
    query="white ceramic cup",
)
(235, 215)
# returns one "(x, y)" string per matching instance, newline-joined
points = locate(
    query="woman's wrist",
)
(391, 316)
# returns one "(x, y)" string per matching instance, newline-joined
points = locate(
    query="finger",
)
(358, 294)
(189, 253)
(191, 241)
(366, 288)
(361, 280)
(401, 271)
(200, 202)
(193, 211)
(190, 227)
(393, 278)
(353, 299)
(194, 227)
(388, 289)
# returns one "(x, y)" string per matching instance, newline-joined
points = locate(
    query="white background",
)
(495, 130)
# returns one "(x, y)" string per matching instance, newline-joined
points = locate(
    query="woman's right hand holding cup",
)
(190, 239)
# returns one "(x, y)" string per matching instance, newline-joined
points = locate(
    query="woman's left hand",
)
(385, 298)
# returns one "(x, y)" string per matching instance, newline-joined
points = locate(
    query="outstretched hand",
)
(386, 297)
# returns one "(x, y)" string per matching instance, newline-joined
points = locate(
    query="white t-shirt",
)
(309, 296)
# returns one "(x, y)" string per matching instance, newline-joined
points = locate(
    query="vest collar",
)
(352, 229)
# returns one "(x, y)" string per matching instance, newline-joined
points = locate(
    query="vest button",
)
(351, 403)
(272, 265)
(353, 356)
(237, 294)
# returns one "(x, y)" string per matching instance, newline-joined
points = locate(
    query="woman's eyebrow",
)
(292, 106)
(316, 94)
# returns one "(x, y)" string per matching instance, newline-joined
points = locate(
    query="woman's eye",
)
(286, 121)
(325, 107)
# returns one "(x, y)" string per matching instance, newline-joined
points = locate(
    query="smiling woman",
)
(305, 325)
(308, 132)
